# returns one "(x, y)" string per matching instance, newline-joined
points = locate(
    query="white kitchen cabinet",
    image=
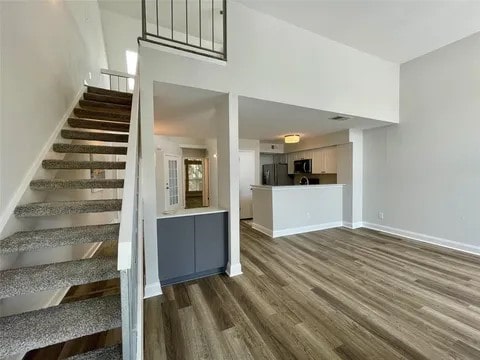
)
(324, 161)
(330, 160)
(290, 160)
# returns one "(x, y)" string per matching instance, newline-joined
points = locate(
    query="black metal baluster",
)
(213, 26)
(171, 16)
(186, 21)
(156, 14)
(224, 29)
(200, 21)
(144, 19)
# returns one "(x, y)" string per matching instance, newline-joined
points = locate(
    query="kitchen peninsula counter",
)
(286, 210)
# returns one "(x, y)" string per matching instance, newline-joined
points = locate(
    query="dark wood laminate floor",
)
(333, 294)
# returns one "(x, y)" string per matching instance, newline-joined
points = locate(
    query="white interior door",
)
(172, 191)
(247, 178)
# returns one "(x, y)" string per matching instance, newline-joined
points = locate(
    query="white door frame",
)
(167, 185)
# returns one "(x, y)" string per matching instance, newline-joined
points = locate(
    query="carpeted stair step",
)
(60, 184)
(109, 353)
(67, 207)
(89, 149)
(89, 104)
(102, 91)
(55, 276)
(101, 115)
(98, 125)
(36, 329)
(107, 99)
(94, 136)
(73, 164)
(50, 238)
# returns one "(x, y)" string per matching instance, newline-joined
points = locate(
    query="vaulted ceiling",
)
(397, 31)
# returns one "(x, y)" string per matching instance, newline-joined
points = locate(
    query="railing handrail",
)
(185, 43)
(117, 73)
(127, 217)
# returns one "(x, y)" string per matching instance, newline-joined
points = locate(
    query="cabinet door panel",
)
(210, 241)
(290, 160)
(318, 161)
(176, 255)
(331, 160)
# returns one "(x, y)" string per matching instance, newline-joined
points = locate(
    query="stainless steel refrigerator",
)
(276, 175)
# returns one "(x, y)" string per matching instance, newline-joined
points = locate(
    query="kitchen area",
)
(299, 191)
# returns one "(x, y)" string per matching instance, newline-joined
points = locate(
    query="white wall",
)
(48, 49)
(333, 77)
(424, 174)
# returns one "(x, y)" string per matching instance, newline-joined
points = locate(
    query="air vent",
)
(339, 118)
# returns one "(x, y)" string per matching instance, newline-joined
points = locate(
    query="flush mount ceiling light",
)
(292, 139)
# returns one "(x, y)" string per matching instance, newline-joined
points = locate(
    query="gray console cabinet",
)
(193, 246)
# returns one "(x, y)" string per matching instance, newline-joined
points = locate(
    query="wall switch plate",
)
(381, 215)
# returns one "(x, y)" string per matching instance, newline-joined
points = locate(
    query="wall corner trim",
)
(152, 290)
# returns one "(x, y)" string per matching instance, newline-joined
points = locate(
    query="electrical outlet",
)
(89, 75)
(381, 215)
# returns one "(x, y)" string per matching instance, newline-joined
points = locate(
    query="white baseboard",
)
(152, 290)
(352, 225)
(22, 188)
(262, 229)
(297, 230)
(455, 245)
(234, 269)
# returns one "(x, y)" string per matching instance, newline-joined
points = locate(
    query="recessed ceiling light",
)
(292, 139)
(339, 118)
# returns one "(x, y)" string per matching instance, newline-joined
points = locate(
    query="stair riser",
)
(95, 105)
(92, 136)
(75, 185)
(89, 149)
(96, 90)
(34, 210)
(107, 99)
(98, 125)
(88, 114)
(75, 165)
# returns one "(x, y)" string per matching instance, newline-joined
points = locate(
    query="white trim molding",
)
(297, 230)
(455, 245)
(152, 290)
(234, 269)
(350, 225)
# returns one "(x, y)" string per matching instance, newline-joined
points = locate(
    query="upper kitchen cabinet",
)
(324, 160)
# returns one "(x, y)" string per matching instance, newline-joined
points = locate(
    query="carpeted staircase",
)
(102, 116)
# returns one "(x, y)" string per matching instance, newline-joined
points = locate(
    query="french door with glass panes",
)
(172, 192)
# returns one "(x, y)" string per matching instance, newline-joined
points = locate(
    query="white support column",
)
(152, 280)
(234, 267)
(356, 137)
(228, 176)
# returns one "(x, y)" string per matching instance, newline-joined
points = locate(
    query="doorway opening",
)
(196, 182)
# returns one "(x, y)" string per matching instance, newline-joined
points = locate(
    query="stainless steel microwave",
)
(302, 166)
